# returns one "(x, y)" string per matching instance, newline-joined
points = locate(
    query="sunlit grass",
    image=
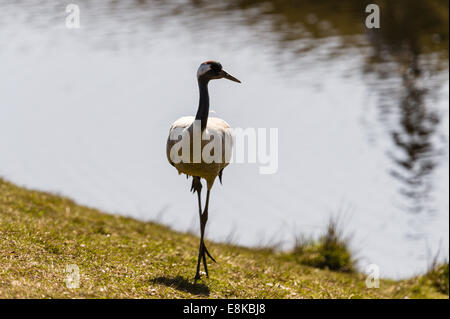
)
(118, 257)
(330, 251)
(438, 277)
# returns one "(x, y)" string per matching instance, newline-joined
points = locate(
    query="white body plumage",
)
(215, 127)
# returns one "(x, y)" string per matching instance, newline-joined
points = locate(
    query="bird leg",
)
(202, 250)
(204, 219)
(197, 187)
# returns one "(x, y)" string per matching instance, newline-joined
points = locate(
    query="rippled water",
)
(362, 116)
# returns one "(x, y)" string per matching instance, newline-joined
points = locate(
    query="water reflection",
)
(412, 52)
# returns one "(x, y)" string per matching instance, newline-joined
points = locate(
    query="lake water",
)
(362, 116)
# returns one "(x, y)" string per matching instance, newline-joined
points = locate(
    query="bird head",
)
(211, 70)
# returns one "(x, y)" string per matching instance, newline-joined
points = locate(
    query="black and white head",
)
(211, 70)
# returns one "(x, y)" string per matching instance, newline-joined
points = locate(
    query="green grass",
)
(118, 257)
(437, 276)
(331, 251)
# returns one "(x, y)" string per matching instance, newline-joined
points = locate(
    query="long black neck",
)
(203, 105)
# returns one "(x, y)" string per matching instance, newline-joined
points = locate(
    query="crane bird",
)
(201, 168)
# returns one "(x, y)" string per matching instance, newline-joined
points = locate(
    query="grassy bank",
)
(118, 257)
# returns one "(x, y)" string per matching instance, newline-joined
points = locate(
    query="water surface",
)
(362, 116)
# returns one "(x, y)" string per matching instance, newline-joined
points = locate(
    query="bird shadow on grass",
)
(183, 284)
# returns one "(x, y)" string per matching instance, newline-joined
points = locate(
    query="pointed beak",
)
(228, 76)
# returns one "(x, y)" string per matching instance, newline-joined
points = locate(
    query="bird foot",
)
(199, 274)
(202, 256)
